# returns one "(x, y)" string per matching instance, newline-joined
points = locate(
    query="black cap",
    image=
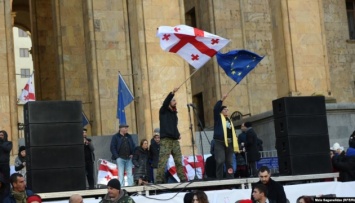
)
(123, 126)
(114, 183)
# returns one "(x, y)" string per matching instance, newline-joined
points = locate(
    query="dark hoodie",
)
(5, 148)
(3, 189)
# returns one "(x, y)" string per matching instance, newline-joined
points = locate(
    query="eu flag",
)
(85, 119)
(238, 63)
(124, 98)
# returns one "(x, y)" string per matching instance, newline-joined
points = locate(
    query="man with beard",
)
(275, 190)
(5, 148)
(169, 138)
(115, 194)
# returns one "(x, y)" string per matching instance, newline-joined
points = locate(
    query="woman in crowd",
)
(141, 163)
(200, 197)
(20, 161)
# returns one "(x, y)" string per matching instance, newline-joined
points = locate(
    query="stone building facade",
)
(80, 46)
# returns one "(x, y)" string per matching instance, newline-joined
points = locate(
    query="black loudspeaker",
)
(302, 145)
(55, 157)
(53, 134)
(305, 164)
(298, 106)
(56, 180)
(301, 125)
(302, 139)
(52, 112)
(54, 146)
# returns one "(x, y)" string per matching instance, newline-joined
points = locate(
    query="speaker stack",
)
(54, 146)
(302, 139)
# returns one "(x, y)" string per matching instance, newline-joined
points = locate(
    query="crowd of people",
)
(229, 152)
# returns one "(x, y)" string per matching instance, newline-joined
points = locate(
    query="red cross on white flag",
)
(194, 45)
(28, 92)
(107, 171)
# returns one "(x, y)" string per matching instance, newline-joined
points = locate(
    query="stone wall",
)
(341, 51)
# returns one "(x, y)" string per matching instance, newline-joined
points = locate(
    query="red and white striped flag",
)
(28, 92)
(107, 171)
(194, 45)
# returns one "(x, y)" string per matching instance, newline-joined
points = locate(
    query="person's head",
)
(22, 151)
(173, 103)
(243, 128)
(123, 129)
(3, 135)
(76, 198)
(144, 144)
(247, 124)
(85, 132)
(259, 192)
(337, 148)
(264, 174)
(156, 135)
(352, 140)
(157, 138)
(188, 197)
(34, 199)
(18, 182)
(199, 197)
(224, 110)
(304, 199)
(113, 188)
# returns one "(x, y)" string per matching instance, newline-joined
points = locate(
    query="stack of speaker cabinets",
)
(54, 146)
(302, 139)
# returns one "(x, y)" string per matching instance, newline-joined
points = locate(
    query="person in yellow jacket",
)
(226, 141)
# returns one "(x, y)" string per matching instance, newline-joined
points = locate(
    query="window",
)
(25, 73)
(350, 11)
(24, 52)
(22, 33)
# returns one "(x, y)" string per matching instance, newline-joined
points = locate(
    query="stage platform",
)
(149, 190)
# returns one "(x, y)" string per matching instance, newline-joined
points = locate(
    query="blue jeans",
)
(125, 165)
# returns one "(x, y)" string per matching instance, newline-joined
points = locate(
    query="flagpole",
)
(232, 88)
(188, 78)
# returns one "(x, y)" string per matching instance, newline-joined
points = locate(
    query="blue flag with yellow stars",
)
(124, 98)
(238, 63)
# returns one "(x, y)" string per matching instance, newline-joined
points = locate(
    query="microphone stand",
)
(201, 145)
(192, 143)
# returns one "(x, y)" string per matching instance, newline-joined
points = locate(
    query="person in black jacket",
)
(141, 163)
(225, 140)
(345, 165)
(154, 153)
(169, 138)
(122, 147)
(89, 159)
(275, 190)
(3, 190)
(5, 148)
(251, 147)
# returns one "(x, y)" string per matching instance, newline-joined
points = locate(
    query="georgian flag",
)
(194, 45)
(107, 171)
(189, 167)
(28, 92)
